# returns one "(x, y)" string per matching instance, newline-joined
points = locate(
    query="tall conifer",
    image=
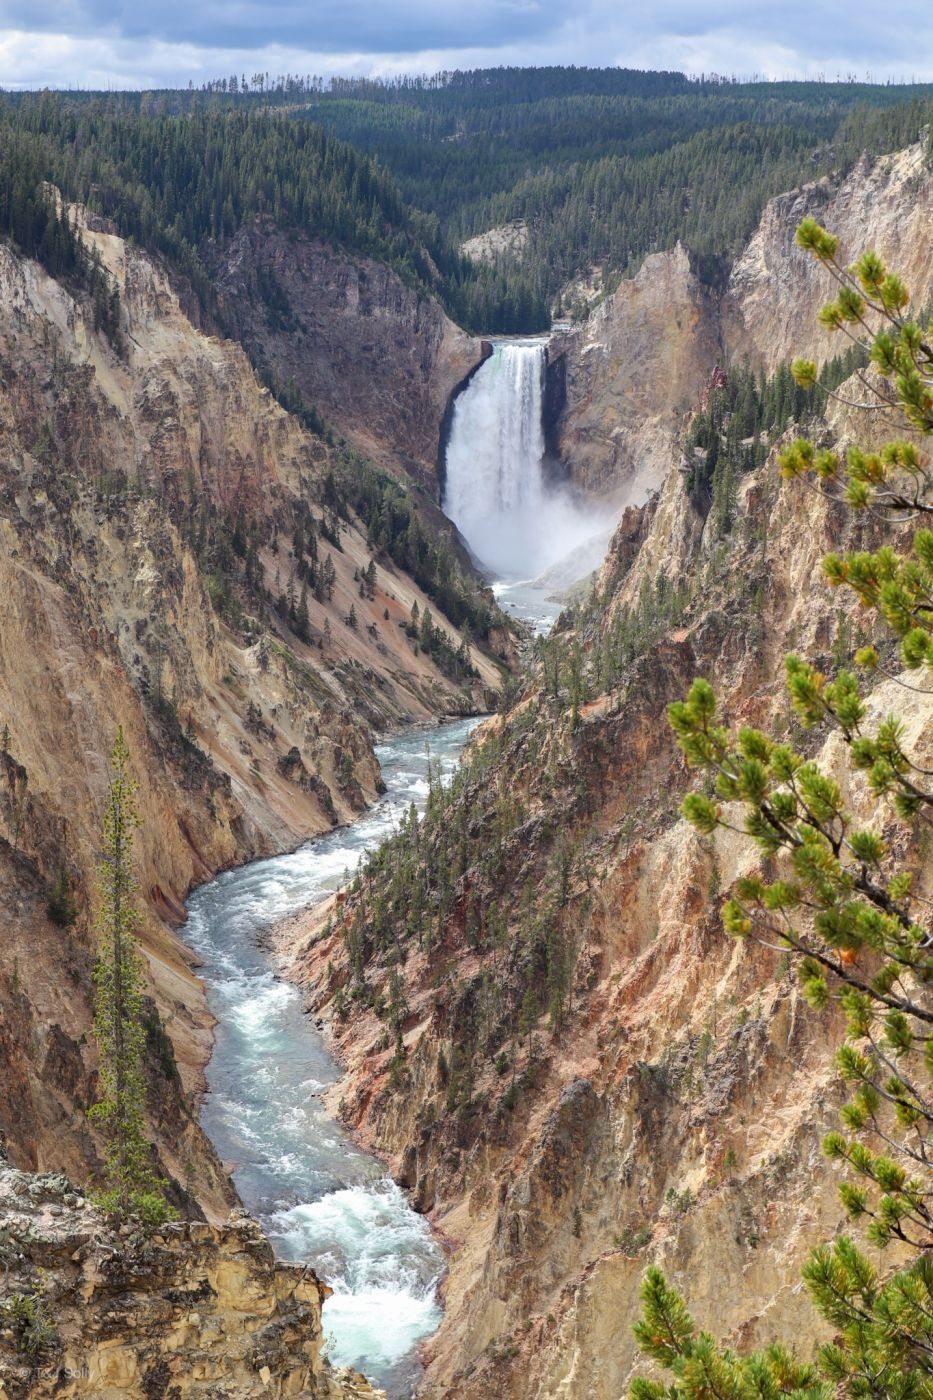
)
(133, 1187)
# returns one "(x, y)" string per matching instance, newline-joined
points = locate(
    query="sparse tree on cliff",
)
(426, 632)
(838, 898)
(302, 616)
(133, 1187)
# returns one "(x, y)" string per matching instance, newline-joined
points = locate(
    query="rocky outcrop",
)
(628, 375)
(194, 1310)
(622, 383)
(376, 358)
(775, 290)
(502, 242)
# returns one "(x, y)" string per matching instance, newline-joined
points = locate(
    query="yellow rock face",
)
(676, 1116)
(195, 1311)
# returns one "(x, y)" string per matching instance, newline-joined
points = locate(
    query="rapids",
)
(320, 1199)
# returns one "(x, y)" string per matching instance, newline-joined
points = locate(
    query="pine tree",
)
(61, 907)
(529, 1013)
(133, 1189)
(328, 577)
(302, 618)
(397, 1009)
(724, 495)
(701, 1369)
(426, 633)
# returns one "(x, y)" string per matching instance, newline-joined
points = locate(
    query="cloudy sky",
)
(143, 43)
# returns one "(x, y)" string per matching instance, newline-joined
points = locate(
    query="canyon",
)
(246, 738)
(675, 1113)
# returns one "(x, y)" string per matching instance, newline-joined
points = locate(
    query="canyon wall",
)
(376, 358)
(775, 289)
(628, 375)
(623, 381)
(127, 475)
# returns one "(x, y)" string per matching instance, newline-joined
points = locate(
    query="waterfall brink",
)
(494, 486)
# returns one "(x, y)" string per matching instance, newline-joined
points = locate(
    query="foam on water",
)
(320, 1198)
(526, 600)
(387, 1322)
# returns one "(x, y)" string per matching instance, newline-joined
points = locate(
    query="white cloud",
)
(92, 47)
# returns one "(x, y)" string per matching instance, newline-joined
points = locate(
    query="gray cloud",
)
(323, 26)
(143, 43)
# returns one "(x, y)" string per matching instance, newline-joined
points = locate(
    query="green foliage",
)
(605, 165)
(622, 634)
(880, 1349)
(872, 311)
(633, 1240)
(743, 417)
(119, 1025)
(61, 908)
(842, 907)
(679, 1202)
(701, 1369)
(36, 223)
(28, 1317)
(173, 183)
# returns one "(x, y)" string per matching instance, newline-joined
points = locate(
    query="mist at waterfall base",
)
(321, 1200)
(517, 525)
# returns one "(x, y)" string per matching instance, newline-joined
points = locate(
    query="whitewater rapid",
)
(320, 1199)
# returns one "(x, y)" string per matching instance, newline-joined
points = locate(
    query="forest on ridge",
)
(603, 165)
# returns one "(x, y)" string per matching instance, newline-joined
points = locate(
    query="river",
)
(320, 1199)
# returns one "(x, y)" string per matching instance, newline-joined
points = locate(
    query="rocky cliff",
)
(379, 360)
(625, 378)
(622, 382)
(151, 494)
(775, 290)
(197, 1310)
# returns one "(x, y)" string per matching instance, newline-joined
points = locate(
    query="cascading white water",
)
(322, 1200)
(494, 490)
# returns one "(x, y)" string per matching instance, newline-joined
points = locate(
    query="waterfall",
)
(495, 492)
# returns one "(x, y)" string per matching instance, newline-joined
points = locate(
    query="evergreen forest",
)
(603, 165)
